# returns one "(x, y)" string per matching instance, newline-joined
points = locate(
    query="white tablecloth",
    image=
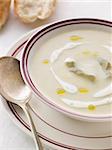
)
(11, 137)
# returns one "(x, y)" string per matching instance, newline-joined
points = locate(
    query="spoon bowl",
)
(13, 86)
(14, 89)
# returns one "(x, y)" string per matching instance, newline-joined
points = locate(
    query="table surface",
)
(11, 137)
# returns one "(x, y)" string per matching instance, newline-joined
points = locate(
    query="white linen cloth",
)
(11, 137)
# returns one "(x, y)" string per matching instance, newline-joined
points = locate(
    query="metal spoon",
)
(14, 89)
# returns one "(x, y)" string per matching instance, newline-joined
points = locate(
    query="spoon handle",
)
(37, 141)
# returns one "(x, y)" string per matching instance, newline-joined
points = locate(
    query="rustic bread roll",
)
(31, 10)
(4, 11)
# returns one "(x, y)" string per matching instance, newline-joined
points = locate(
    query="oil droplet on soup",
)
(60, 91)
(75, 38)
(83, 91)
(91, 107)
(86, 52)
(45, 61)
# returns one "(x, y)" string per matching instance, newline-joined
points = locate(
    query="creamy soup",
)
(75, 67)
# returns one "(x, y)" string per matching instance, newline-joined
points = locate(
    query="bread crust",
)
(31, 10)
(4, 11)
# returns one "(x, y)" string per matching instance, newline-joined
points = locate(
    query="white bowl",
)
(103, 113)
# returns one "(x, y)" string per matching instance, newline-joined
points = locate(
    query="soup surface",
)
(74, 68)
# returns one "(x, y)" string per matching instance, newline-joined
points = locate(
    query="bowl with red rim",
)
(31, 50)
